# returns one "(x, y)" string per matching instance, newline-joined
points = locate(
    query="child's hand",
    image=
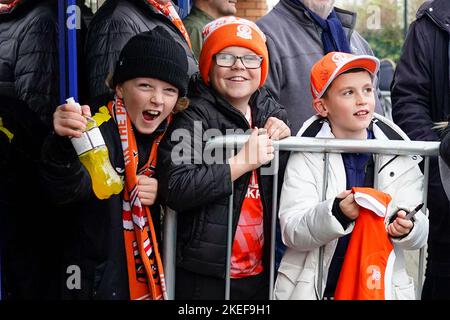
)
(277, 129)
(68, 121)
(147, 189)
(348, 205)
(258, 150)
(400, 226)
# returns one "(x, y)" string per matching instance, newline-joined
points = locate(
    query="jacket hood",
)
(438, 11)
(313, 125)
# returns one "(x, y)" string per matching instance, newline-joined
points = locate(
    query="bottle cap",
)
(72, 101)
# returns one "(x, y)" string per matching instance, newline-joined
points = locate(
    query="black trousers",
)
(436, 288)
(194, 286)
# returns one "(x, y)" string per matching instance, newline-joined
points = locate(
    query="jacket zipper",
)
(266, 211)
(244, 193)
(249, 174)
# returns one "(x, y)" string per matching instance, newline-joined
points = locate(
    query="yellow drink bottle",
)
(93, 154)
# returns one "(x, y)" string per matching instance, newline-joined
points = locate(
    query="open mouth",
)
(150, 115)
(237, 78)
(361, 113)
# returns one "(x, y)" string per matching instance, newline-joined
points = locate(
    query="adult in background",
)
(203, 12)
(300, 32)
(28, 94)
(113, 25)
(420, 98)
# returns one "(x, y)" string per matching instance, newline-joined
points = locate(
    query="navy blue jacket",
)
(421, 97)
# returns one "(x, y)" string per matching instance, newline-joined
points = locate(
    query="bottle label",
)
(89, 140)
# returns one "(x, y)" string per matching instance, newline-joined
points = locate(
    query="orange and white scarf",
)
(144, 265)
(6, 8)
(169, 11)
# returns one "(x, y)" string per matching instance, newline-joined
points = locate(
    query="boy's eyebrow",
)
(368, 84)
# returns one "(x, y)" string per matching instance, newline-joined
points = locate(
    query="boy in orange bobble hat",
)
(229, 96)
(343, 96)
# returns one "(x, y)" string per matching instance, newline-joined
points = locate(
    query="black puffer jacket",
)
(91, 229)
(19, 221)
(199, 192)
(421, 97)
(28, 56)
(112, 26)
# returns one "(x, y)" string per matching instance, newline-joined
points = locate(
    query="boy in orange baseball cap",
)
(342, 88)
(229, 95)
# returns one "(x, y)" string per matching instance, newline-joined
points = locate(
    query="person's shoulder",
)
(114, 12)
(40, 20)
(193, 23)
(200, 95)
(271, 19)
(312, 126)
(42, 13)
(200, 106)
(44, 9)
(387, 128)
(112, 20)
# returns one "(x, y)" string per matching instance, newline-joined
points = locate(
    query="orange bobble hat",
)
(232, 31)
(333, 64)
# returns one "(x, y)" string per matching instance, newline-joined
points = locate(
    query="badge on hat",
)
(244, 31)
(340, 58)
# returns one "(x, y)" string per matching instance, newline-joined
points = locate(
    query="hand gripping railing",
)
(326, 146)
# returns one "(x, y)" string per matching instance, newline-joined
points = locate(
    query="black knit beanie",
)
(153, 54)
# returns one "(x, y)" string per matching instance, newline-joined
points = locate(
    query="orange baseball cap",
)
(333, 64)
(232, 31)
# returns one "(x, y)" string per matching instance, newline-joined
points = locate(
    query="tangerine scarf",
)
(169, 11)
(144, 265)
(6, 8)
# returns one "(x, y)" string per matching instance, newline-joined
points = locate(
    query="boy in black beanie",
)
(113, 243)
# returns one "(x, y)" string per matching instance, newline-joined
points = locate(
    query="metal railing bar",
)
(326, 146)
(275, 165)
(326, 161)
(229, 243)
(420, 276)
(170, 246)
(376, 169)
(330, 145)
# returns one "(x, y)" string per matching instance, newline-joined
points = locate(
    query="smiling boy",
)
(115, 241)
(229, 95)
(343, 96)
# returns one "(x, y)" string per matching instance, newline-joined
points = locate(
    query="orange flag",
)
(367, 269)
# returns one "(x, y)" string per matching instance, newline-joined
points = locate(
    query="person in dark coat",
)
(28, 54)
(229, 96)
(420, 98)
(111, 246)
(113, 25)
(28, 94)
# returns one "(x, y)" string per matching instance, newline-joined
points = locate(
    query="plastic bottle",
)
(93, 154)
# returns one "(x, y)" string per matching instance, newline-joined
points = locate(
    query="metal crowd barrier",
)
(326, 146)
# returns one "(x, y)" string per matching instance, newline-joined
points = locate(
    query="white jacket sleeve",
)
(306, 222)
(407, 193)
